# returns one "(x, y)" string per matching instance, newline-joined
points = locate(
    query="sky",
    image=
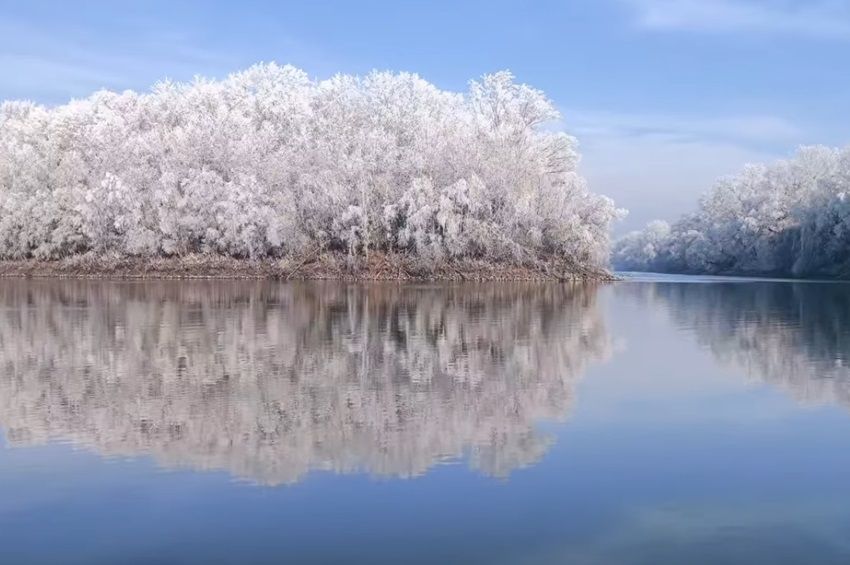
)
(664, 96)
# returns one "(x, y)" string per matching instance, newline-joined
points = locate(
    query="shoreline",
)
(328, 266)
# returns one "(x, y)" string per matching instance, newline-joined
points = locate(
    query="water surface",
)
(655, 420)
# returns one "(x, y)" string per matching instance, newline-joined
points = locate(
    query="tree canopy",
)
(268, 162)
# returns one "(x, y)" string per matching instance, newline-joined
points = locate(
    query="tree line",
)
(790, 218)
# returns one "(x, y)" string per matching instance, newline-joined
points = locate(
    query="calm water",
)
(650, 421)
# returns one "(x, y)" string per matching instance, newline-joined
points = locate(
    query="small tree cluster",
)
(791, 218)
(269, 162)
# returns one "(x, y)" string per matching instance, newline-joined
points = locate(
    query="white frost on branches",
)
(269, 162)
(788, 218)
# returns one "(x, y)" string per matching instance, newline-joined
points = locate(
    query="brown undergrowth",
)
(315, 266)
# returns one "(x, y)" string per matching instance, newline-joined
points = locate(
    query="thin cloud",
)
(672, 158)
(53, 68)
(823, 19)
(656, 178)
(752, 130)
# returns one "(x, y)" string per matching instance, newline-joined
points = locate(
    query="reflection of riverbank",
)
(269, 381)
(792, 335)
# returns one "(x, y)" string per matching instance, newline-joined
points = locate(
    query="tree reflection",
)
(793, 335)
(270, 381)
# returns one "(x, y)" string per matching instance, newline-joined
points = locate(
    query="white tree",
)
(791, 218)
(269, 162)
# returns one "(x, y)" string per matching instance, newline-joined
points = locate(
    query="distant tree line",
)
(791, 218)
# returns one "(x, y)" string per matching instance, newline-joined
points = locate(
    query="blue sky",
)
(664, 95)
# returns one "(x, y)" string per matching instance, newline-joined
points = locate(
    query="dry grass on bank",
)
(324, 266)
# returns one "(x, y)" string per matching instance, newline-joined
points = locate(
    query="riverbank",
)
(326, 266)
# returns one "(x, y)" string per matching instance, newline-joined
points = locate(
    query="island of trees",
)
(791, 218)
(270, 171)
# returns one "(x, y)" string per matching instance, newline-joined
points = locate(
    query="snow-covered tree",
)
(639, 250)
(791, 218)
(269, 162)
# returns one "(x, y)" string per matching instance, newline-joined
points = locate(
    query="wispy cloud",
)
(53, 67)
(674, 158)
(744, 130)
(814, 18)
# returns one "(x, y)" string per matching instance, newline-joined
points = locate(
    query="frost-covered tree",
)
(790, 218)
(639, 250)
(269, 162)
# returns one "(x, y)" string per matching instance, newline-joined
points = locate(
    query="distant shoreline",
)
(327, 266)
